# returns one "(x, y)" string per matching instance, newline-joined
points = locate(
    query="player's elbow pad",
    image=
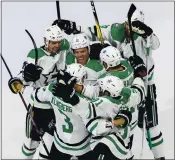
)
(138, 85)
(100, 127)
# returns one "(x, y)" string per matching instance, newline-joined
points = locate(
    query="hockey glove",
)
(65, 92)
(126, 115)
(15, 85)
(95, 50)
(141, 29)
(138, 66)
(69, 27)
(65, 78)
(31, 73)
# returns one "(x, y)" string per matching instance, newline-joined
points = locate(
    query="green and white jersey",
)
(116, 35)
(126, 75)
(50, 63)
(130, 98)
(74, 124)
(109, 107)
(93, 67)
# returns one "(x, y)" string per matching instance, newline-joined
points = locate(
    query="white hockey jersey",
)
(74, 124)
(116, 35)
(50, 63)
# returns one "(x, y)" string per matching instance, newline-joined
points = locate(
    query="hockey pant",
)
(45, 121)
(56, 154)
(111, 147)
(152, 116)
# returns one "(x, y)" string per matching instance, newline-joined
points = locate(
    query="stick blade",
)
(131, 10)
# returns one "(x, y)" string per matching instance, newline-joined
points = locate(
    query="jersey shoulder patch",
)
(70, 58)
(32, 53)
(118, 32)
(65, 45)
(94, 65)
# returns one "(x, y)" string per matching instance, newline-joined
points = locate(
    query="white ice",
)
(35, 16)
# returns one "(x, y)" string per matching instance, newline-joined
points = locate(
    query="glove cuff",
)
(126, 115)
(74, 100)
(11, 83)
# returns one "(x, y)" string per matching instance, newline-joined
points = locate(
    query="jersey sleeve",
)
(132, 96)
(42, 96)
(154, 42)
(90, 91)
(92, 33)
(96, 125)
(70, 58)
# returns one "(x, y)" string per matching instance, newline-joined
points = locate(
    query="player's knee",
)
(102, 152)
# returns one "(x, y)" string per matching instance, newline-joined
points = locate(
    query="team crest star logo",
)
(51, 76)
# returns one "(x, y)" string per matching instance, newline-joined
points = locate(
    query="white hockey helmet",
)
(77, 70)
(53, 33)
(111, 56)
(138, 16)
(111, 84)
(80, 40)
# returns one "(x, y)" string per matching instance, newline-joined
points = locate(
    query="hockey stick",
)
(147, 50)
(145, 120)
(99, 32)
(58, 9)
(35, 47)
(130, 12)
(22, 98)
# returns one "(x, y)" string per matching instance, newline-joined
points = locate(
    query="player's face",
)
(104, 64)
(82, 55)
(54, 46)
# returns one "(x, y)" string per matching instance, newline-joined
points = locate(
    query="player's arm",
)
(146, 32)
(29, 73)
(42, 96)
(134, 95)
(90, 91)
(70, 27)
(95, 124)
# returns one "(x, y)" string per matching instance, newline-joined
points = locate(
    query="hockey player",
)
(81, 48)
(109, 107)
(115, 65)
(114, 96)
(51, 58)
(119, 36)
(76, 118)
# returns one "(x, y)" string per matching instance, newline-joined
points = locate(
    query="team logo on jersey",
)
(51, 76)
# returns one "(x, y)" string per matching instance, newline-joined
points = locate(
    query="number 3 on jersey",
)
(68, 128)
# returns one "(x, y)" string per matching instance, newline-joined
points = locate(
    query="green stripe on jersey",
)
(70, 148)
(116, 145)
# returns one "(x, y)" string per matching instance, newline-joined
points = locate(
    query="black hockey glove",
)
(139, 27)
(69, 27)
(126, 115)
(138, 66)
(66, 78)
(95, 50)
(65, 92)
(15, 85)
(31, 72)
